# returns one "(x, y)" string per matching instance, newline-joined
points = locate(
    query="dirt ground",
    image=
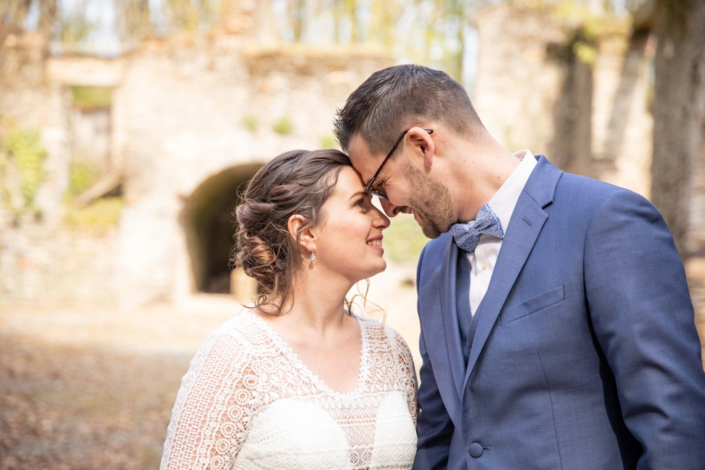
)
(65, 407)
(93, 388)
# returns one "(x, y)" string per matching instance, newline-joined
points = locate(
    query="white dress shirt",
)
(483, 259)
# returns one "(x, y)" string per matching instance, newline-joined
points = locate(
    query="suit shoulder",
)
(592, 193)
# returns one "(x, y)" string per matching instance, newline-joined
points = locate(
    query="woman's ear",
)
(307, 239)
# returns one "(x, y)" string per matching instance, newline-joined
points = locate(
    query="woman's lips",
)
(376, 244)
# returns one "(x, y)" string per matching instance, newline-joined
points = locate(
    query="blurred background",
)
(128, 129)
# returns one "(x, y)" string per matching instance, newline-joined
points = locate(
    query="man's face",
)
(408, 188)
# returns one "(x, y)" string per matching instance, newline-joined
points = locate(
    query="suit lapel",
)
(450, 314)
(441, 338)
(524, 228)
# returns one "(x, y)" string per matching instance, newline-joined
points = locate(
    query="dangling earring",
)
(313, 256)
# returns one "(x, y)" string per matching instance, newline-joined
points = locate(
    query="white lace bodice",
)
(248, 402)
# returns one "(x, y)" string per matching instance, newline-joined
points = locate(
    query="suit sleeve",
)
(434, 427)
(644, 322)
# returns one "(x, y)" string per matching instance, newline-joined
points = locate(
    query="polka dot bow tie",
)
(467, 236)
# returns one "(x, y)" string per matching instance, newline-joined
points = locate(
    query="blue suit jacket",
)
(585, 354)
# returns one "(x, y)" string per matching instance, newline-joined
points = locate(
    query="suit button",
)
(475, 449)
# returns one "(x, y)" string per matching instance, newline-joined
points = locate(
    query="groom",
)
(556, 326)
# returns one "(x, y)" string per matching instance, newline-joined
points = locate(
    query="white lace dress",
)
(247, 402)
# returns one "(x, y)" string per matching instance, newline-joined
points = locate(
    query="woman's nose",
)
(380, 220)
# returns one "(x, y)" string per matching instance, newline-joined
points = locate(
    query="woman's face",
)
(349, 238)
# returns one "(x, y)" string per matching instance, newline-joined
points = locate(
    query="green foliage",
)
(92, 96)
(329, 142)
(102, 214)
(74, 26)
(187, 15)
(283, 126)
(593, 26)
(5, 191)
(24, 151)
(251, 123)
(588, 28)
(82, 175)
(572, 13)
(404, 240)
(585, 52)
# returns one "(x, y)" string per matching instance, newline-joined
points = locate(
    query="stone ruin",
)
(191, 118)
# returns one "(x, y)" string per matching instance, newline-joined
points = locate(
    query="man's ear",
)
(307, 239)
(423, 145)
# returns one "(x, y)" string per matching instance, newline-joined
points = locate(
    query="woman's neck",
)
(317, 300)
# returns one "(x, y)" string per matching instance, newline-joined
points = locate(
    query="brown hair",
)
(396, 98)
(294, 183)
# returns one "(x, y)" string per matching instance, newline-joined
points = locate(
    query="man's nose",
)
(381, 221)
(391, 209)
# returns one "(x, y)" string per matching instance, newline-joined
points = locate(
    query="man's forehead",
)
(361, 157)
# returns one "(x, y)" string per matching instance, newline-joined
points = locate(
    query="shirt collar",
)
(506, 198)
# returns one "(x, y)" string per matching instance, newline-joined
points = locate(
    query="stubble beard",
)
(431, 202)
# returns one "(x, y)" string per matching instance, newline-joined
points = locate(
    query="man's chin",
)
(429, 230)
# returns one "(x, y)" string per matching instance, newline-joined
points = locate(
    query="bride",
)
(298, 381)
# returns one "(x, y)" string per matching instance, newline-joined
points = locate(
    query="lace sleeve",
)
(211, 416)
(407, 373)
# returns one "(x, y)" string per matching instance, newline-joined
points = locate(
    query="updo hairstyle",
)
(294, 183)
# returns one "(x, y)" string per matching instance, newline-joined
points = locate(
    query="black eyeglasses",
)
(368, 188)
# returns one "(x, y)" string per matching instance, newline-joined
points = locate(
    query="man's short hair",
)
(399, 97)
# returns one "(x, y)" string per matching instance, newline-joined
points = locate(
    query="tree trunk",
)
(679, 110)
(12, 16)
(47, 18)
(298, 10)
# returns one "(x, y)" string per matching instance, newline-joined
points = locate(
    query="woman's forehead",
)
(349, 182)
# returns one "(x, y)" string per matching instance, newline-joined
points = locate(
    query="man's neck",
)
(479, 173)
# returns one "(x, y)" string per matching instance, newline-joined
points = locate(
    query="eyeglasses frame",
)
(368, 187)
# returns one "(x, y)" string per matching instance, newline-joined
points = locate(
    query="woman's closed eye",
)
(361, 203)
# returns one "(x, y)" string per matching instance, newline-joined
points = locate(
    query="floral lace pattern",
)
(248, 402)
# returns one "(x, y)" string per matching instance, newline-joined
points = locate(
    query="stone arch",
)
(209, 225)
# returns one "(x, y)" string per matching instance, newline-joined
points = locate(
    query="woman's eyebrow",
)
(359, 193)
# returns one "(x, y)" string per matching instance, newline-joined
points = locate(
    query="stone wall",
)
(192, 112)
(63, 267)
(518, 83)
(33, 102)
(193, 115)
(621, 121)
(183, 111)
(588, 118)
